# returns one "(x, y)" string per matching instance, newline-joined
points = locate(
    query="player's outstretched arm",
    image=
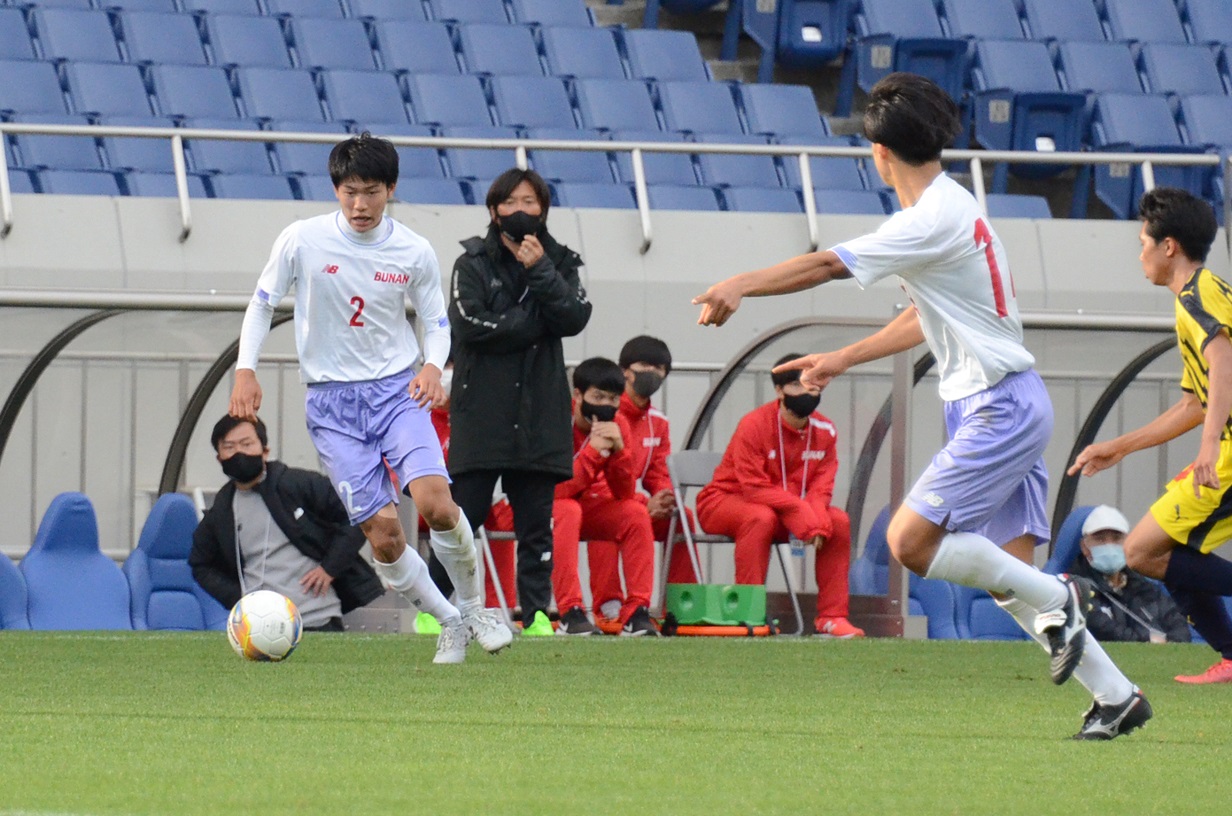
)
(900, 334)
(721, 301)
(1218, 354)
(1185, 415)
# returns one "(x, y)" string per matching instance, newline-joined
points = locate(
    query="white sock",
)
(972, 560)
(610, 609)
(456, 550)
(408, 576)
(1096, 671)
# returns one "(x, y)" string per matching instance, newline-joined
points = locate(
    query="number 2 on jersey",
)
(358, 303)
(983, 236)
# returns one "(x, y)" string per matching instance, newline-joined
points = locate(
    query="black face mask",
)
(243, 467)
(802, 405)
(645, 383)
(598, 413)
(517, 225)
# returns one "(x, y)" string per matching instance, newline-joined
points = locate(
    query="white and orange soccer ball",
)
(264, 625)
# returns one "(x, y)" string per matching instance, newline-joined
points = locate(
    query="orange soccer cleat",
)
(1221, 672)
(837, 628)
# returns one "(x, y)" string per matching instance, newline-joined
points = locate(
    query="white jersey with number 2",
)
(955, 271)
(350, 299)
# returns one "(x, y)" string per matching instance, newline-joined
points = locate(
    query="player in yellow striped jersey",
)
(1173, 542)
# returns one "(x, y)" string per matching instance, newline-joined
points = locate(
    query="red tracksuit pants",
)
(755, 527)
(623, 522)
(604, 558)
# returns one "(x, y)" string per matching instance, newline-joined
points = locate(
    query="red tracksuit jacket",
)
(596, 476)
(650, 445)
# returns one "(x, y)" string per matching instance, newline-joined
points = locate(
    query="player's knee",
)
(566, 512)
(385, 535)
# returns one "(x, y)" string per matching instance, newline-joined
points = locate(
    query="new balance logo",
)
(330, 269)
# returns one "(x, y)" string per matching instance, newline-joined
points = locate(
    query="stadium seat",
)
(20, 182)
(193, 91)
(734, 169)
(154, 37)
(40, 151)
(307, 158)
(1066, 547)
(226, 156)
(416, 47)
(78, 182)
(12, 596)
(761, 199)
(781, 110)
(432, 191)
(30, 87)
(937, 601)
(247, 186)
(830, 173)
(104, 89)
(812, 33)
(660, 168)
(326, 9)
(615, 104)
(552, 12)
(223, 6)
(413, 162)
(74, 34)
(981, 619)
(448, 101)
(250, 42)
(272, 93)
(532, 102)
(160, 6)
(673, 197)
(594, 196)
(468, 11)
(161, 587)
(1143, 21)
(570, 165)
(499, 50)
(1097, 67)
(664, 56)
(982, 19)
(582, 53)
(1005, 205)
(366, 97)
(906, 35)
(70, 584)
(699, 107)
(387, 10)
(1174, 68)
(849, 202)
(325, 43)
(1075, 20)
(1209, 21)
(137, 153)
(162, 185)
(479, 163)
(15, 41)
(1207, 120)
(316, 188)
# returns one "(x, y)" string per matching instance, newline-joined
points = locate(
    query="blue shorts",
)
(990, 478)
(373, 440)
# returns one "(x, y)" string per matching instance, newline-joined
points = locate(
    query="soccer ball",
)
(264, 625)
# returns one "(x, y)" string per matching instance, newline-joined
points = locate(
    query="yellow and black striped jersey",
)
(1203, 309)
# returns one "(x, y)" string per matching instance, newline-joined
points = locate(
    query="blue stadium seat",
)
(246, 186)
(154, 37)
(1006, 205)
(552, 12)
(869, 574)
(1207, 120)
(250, 42)
(225, 156)
(74, 34)
(307, 158)
(273, 93)
(162, 591)
(70, 584)
(699, 107)
(906, 35)
(1143, 21)
(1063, 20)
(365, 97)
(223, 6)
(582, 53)
(935, 600)
(615, 104)
(73, 4)
(1097, 67)
(570, 165)
(12, 591)
(42, 151)
(1066, 547)
(105, 89)
(468, 11)
(162, 185)
(160, 6)
(432, 191)
(813, 32)
(983, 19)
(1175, 68)
(193, 91)
(20, 182)
(416, 47)
(664, 56)
(79, 182)
(479, 163)
(326, 9)
(413, 162)
(324, 43)
(660, 168)
(982, 619)
(387, 10)
(761, 199)
(734, 169)
(830, 173)
(782, 110)
(593, 196)
(849, 202)
(14, 36)
(1209, 21)
(532, 102)
(448, 101)
(672, 197)
(499, 49)
(134, 153)
(316, 188)
(30, 87)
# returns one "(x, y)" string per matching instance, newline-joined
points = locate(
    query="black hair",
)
(228, 423)
(601, 373)
(1169, 212)
(785, 377)
(646, 349)
(364, 157)
(912, 116)
(507, 181)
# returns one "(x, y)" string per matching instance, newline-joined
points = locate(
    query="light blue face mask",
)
(1108, 558)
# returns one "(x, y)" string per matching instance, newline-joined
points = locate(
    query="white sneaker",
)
(451, 644)
(488, 627)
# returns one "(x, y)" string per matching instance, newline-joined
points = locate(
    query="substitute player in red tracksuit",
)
(600, 503)
(645, 362)
(776, 479)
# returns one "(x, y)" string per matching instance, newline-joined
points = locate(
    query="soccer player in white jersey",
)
(367, 409)
(977, 512)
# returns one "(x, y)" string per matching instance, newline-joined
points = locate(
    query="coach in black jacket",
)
(304, 507)
(515, 293)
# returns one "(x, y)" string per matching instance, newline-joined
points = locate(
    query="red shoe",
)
(837, 628)
(1221, 672)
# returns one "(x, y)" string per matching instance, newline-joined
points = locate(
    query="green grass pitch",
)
(351, 724)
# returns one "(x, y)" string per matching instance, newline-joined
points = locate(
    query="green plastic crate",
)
(717, 604)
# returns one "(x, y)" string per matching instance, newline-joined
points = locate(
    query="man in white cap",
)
(1126, 606)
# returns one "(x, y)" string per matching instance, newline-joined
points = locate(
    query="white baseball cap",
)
(1105, 518)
